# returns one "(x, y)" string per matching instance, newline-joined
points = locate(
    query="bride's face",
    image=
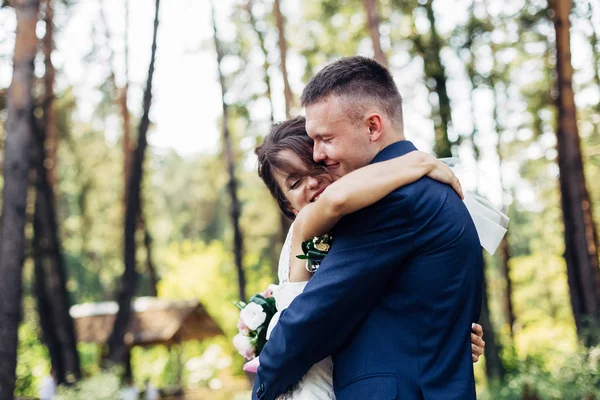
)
(301, 189)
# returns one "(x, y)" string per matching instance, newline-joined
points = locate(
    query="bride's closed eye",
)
(295, 184)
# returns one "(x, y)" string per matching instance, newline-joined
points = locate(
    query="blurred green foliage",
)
(186, 206)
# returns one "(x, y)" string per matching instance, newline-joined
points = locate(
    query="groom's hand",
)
(477, 343)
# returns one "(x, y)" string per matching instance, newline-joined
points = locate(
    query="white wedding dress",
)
(317, 384)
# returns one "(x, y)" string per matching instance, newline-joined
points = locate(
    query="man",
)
(394, 299)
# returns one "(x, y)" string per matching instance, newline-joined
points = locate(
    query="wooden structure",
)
(154, 321)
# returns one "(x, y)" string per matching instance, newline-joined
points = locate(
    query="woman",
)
(316, 200)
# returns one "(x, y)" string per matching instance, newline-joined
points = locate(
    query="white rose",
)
(244, 346)
(253, 316)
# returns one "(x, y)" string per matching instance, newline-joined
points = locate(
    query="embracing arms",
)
(366, 186)
(333, 299)
(359, 189)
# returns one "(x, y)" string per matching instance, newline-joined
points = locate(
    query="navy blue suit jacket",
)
(393, 302)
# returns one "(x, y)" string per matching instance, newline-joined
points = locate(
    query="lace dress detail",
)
(317, 384)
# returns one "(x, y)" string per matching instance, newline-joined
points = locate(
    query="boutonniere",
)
(315, 250)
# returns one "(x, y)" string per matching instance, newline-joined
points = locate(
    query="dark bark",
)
(19, 131)
(507, 305)
(494, 368)
(51, 142)
(50, 276)
(581, 253)
(287, 91)
(435, 71)
(150, 267)
(504, 249)
(504, 254)
(116, 346)
(232, 185)
(373, 27)
(52, 297)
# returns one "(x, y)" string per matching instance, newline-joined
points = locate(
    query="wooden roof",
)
(154, 321)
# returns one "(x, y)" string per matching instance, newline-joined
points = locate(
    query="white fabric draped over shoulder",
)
(490, 222)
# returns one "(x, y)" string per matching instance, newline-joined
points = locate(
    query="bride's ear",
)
(374, 124)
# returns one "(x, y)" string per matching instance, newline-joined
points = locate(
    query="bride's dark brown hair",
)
(288, 135)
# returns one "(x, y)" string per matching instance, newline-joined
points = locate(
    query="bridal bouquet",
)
(253, 323)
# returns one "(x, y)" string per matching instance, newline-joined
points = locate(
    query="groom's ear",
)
(374, 124)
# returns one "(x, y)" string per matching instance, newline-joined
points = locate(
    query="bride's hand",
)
(441, 172)
(477, 343)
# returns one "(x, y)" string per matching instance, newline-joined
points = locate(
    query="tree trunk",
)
(121, 96)
(507, 303)
(504, 254)
(116, 346)
(434, 70)
(284, 222)
(266, 65)
(494, 368)
(287, 91)
(50, 276)
(232, 185)
(49, 115)
(150, 267)
(373, 26)
(507, 306)
(53, 299)
(581, 253)
(19, 131)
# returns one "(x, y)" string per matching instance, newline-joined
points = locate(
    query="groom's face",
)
(340, 143)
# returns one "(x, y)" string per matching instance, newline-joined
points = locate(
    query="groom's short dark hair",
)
(360, 82)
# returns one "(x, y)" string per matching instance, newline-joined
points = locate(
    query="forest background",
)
(128, 129)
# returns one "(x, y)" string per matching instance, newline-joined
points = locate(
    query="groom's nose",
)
(318, 153)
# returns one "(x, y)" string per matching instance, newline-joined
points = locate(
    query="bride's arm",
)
(366, 186)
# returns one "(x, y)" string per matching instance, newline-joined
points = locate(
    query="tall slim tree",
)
(284, 222)
(232, 184)
(430, 48)
(504, 253)
(287, 90)
(475, 34)
(48, 105)
(121, 94)
(50, 274)
(260, 35)
(19, 131)
(581, 252)
(494, 368)
(117, 350)
(373, 27)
